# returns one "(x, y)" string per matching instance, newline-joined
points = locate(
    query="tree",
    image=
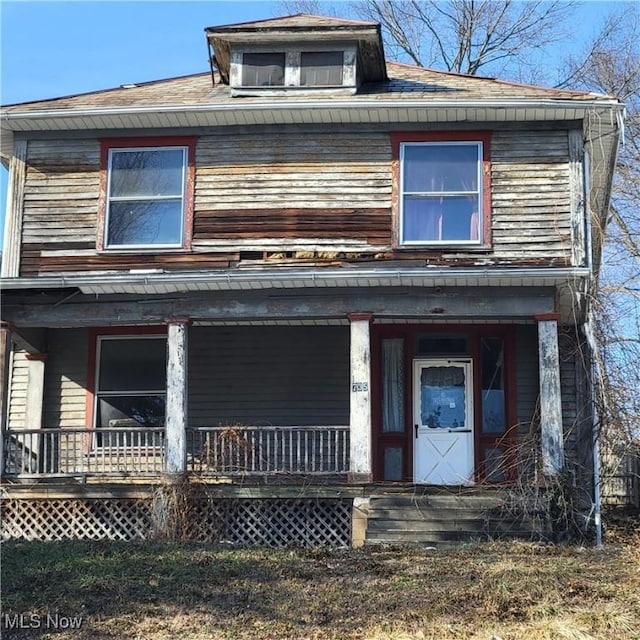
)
(611, 64)
(500, 37)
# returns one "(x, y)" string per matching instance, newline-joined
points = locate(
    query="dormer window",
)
(283, 69)
(321, 68)
(300, 54)
(263, 69)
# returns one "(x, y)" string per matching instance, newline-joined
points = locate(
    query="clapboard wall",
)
(283, 376)
(301, 196)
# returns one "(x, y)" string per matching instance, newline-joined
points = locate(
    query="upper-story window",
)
(321, 68)
(263, 69)
(443, 191)
(147, 201)
(290, 68)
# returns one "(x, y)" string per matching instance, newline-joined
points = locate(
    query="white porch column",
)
(177, 396)
(360, 399)
(552, 442)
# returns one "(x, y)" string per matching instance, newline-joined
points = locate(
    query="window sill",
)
(441, 248)
(138, 250)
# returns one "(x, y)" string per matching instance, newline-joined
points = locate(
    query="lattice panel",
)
(267, 522)
(276, 523)
(97, 519)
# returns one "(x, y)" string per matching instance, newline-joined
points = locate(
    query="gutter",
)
(296, 278)
(328, 104)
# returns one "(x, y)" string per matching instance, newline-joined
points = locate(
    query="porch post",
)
(5, 350)
(552, 442)
(35, 390)
(360, 399)
(176, 407)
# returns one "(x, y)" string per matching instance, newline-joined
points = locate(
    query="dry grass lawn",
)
(485, 591)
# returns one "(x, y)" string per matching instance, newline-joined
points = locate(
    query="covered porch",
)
(295, 386)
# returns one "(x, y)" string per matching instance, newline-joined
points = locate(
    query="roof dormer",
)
(297, 54)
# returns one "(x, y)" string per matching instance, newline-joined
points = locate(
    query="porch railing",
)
(79, 451)
(255, 450)
(211, 451)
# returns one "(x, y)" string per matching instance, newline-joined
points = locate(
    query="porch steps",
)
(444, 519)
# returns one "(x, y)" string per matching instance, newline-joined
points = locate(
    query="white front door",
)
(443, 421)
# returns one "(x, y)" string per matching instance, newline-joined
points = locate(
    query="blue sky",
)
(51, 49)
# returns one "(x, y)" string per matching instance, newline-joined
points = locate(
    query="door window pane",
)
(494, 465)
(393, 385)
(493, 396)
(442, 392)
(393, 463)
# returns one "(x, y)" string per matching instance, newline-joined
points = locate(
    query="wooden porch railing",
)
(32, 453)
(211, 451)
(255, 450)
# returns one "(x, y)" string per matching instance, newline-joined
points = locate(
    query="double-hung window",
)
(130, 386)
(442, 192)
(148, 192)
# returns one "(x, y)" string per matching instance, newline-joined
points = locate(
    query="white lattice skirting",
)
(242, 522)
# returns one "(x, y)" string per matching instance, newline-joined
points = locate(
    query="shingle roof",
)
(405, 82)
(297, 21)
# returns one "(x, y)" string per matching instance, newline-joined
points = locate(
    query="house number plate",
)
(359, 386)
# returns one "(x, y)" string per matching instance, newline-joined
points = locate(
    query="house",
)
(338, 291)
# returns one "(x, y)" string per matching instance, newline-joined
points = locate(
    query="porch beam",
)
(35, 390)
(176, 404)
(419, 303)
(360, 399)
(552, 441)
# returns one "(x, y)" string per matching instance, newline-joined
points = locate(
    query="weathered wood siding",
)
(308, 198)
(319, 186)
(530, 194)
(62, 189)
(269, 375)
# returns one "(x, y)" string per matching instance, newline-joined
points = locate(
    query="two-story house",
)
(310, 278)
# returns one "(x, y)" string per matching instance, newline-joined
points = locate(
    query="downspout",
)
(595, 425)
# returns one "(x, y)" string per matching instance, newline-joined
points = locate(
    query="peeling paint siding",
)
(531, 195)
(323, 188)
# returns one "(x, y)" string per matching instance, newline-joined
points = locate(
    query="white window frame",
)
(479, 192)
(109, 199)
(99, 394)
